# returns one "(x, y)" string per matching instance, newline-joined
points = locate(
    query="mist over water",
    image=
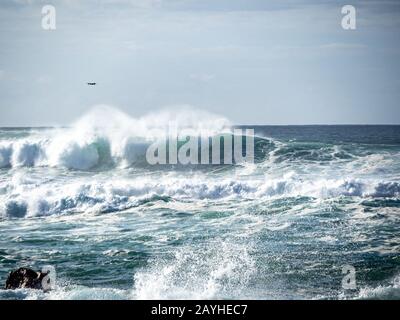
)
(316, 199)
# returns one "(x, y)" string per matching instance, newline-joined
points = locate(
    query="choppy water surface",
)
(318, 198)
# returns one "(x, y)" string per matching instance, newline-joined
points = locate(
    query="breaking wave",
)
(218, 270)
(104, 136)
(123, 194)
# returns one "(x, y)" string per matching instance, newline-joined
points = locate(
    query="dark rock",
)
(25, 278)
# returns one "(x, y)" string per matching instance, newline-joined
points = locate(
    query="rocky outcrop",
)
(25, 278)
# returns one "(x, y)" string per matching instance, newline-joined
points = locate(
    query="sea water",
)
(317, 199)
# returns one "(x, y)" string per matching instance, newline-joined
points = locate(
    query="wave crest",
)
(105, 135)
(119, 195)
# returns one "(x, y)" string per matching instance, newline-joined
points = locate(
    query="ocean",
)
(317, 200)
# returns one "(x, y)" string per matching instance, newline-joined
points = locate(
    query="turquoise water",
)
(317, 199)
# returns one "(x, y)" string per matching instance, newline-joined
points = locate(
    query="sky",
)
(252, 61)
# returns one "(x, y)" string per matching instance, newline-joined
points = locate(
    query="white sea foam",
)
(106, 194)
(69, 292)
(388, 292)
(25, 153)
(5, 154)
(218, 270)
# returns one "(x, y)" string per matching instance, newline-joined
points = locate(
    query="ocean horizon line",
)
(234, 125)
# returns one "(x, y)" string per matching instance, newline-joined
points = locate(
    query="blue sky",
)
(253, 61)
